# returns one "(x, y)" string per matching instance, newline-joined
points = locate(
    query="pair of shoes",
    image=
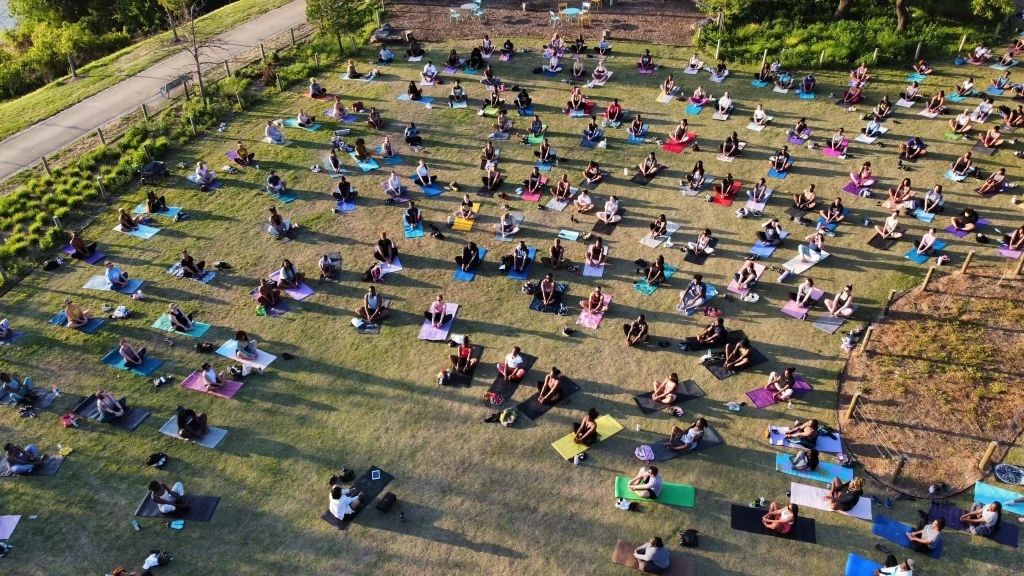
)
(492, 418)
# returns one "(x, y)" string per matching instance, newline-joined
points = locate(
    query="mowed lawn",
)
(479, 498)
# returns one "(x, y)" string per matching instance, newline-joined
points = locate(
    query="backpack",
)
(50, 265)
(444, 377)
(529, 288)
(688, 538)
(157, 460)
(386, 502)
(508, 417)
(494, 399)
(204, 347)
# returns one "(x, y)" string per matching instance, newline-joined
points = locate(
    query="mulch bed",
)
(942, 377)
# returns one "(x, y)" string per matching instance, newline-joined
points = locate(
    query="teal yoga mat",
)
(164, 323)
(825, 473)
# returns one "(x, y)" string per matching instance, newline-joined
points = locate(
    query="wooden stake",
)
(867, 337)
(263, 52)
(888, 302)
(917, 53)
(145, 111)
(46, 166)
(316, 59)
(57, 223)
(967, 262)
(103, 189)
(987, 457)
(962, 42)
(821, 59)
(227, 69)
(192, 123)
(848, 415)
(876, 56)
(717, 48)
(292, 30)
(764, 57)
(238, 97)
(927, 278)
(899, 468)
(1020, 265)
(103, 140)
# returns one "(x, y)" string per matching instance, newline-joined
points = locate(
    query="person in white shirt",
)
(646, 483)
(610, 215)
(760, 117)
(429, 74)
(926, 537)
(890, 229)
(583, 202)
(725, 104)
(983, 519)
(344, 502)
(274, 136)
(511, 368)
(894, 568)
(212, 379)
(423, 176)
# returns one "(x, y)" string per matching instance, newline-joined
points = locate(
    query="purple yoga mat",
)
(853, 189)
(762, 397)
(300, 293)
(195, 382)
(960, 233)
(7, 526)
(800, 313)
(429, 332)
(96, 256)
(1011, 254)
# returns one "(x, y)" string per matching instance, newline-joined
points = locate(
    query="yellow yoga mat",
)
(606, 428)
(466, 224)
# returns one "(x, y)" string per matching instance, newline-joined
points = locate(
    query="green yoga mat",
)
(164, 323)
(671, 494)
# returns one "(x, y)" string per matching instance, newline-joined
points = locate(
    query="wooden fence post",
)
(917, 53)
(927, 278)
(764, 57)
(1020, 266)
(962, 42)
(103, 140)
(227, 69)
(717, 48)
(899, 468)
(848, 415)
(103, 189)
(292, 30)
(192, 123)
(46, 166)
(987, 457)
(876, 56)
(888, 302)
(238, 97)
(821, 59)
(867, 337)
(263, 52)
(967, 262)
(145, 111)
(316, 60)
(57, 223)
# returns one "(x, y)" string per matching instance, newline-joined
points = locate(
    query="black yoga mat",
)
(508, 389)
(877, 242)
(687, 390)
(201, 508)
(661, 452)
(538, 306)
(533, 409)
(641, 180)
(132, 419)
(42, 400)
(459, 379)
(602, 229)
(747, 519)
(48, 467)
(757, 358)
(369, 488)
(699, 259)
(732, 336)
(590, 185)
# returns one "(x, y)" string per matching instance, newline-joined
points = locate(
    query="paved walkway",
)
(26, 147)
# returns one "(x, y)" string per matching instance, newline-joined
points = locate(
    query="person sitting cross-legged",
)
(511, 368)
(109, 407)
(647, 483)
(780, 519)
(665, 390)
(169, 500)
(686, 439)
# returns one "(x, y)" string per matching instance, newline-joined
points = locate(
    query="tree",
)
(993, 9)
(902, 14)
(339, 18)
(843, 10)
(182, 15)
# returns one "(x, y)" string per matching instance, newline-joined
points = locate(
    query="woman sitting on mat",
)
(437, 312)
(556, 255)
(596, 253)
(806, 200)
(204, 176)
(273, 134)
(759, 193)
(760, 117)
(962, 123)
(967, 221)
(486, 47)
(594, 304)
(493, 100)
(873, 129)
(800, 130)
(523, 100)
(243, 157)
(994, 183)
(578, 69)
(563, 189)
(983, 519)
(843, 496)
(784, 81)
(304, 120)
(80, 249)
(922, 67)
(696, 291)
(577, 101)
(890, 228)
(470, 258)
(489, 155)
(127, 222)
(415, 49)
(680, 134)
(765, 73)
(533, 183)
(730, 148)
(549, 390)
(15, 391)
(650, 167)
(912, 92)
(268, 294)
(191, 426)
(646, 62)
(926, 537)
(1003, 82)
(20, 460)
(508, 49)
(839, 142)
(808, 84)
(593, 132)
(805, 460)
(556, 44)
(781, 385)
(804, 434)
(686, 439)
(422, 176)
(110, 408)
(464, 211)
(133, 358)
(76, 316)
(604, 46)
(700, 97)
(386, 149)
(863, 177)
(1014, 240)
(610, 214)
(746, 277)
(453, 60)
(771, 234)
(476, 59)
(726, 188)
(965, 88)
(913, 148)
(653, 557)
(927, 244)
(429, 76)
(696, 178)
(614, 112)
(983, 110)
(665, 390)
(668, 87)
(546, 154)
(1013, 118)
(964, 165)
(511, 368)
(702, 246)
(592, 174)
(804, 293)
(583, 203)
(338, 110)
(288, 277)
(659, 226)
(518, 259)
(585, 432)
(992, 138)
(860, 73)
(814, 244)
(169, 499)
(548, 292)
(714, 334)
(493, 179)
(842, 305)
(781, 160)
(637, 331)
(780, 519)
(647, 483)
(180, 321)
(462, 361)
(724, 104)
(212, 380)
(1007, 59)
(852, 95)
(937, 103)
(374, 119)
(738, 355)
(507, 225)
(385, 55)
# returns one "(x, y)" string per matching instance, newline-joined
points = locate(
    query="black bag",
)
(204, 347)
(387, 502)
(688, 538)
(50, 265)
(157, 460)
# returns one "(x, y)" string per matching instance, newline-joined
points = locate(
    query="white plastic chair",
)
(480, 14)
(554, 18)
(585, 8)
(454, 15)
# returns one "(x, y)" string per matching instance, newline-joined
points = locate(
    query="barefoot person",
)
(665, 391)
(685, 440)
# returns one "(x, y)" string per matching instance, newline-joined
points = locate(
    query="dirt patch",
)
(941, 378)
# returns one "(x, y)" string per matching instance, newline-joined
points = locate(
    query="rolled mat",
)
(747, 519)
(671, 494)
(200, 509)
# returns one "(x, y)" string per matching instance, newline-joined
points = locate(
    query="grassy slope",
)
(19, 113)
(480, 499)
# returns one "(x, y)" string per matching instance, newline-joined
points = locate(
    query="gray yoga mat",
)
(366, 486)
(687, 390)
(48, 467)
(132, 419)
(201, 508)
(533, 409)
(661, 453)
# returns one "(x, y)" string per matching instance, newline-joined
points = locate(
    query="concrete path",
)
(26, 147)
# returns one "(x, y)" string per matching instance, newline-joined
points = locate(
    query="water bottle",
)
(576, 460)
(637, 426)
(789, 405)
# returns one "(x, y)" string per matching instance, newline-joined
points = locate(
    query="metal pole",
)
(46, 166)
(192, 123)
(967, 262)
(103, 189)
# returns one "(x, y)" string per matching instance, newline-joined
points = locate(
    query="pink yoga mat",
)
(799, 312)
(429, 332)
(763, 397)
(300, 293)
(7, 526)
(735, 288)
(195, 382)
(853, 189)
(831, 152)
(528, 197)
(588, 320)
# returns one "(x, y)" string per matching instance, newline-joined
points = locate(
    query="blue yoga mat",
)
(709, 293)
(100, 283)
(805, 95)
(773, 173)
(924, 216)
(149, 365)
(544, 167)
(860, 566)
(144, 232)
(526, 271)
(171, 211)
(917, 77)
(762, 251)
(60, 319)
(913, 256)
(463, 276)
(993, 91)
(525, 111)
(896, 532)
(825, 473)
(758, 84)
(416, 232)
(371, 164)
(988, 493)
(584, 143)
(432, 190)
(346, 206)
(694, 110)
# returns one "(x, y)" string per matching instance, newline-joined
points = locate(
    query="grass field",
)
(480, 499)
(19, 113)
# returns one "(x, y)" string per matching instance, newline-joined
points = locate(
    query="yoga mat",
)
(756, 359)
(526, 112)
(799, 312)
(367, 166)
(164, 323)
(805, 95)
(262, 360)
(606, 428)
(993, 91)
(825, 443)
(132, 419)
(763, 397)
(732, 336)
(533, 409)
(773, 173)
(208, 276)
(512, 274)
(201, 508)
(149, 364)
(425, 100)
(7, 526)
(466, 380)
(350, 118)
(747, 519)
(429, 332)
(100, 283)
(171, 211)
(211, 186)
(913, 256)
(588, 320)
(507, 389)
(414, 232)
(813, 497)
(797, 266)
(670, 229)
(661, 452)
(212, 438)
(300, 293)
(96, 257)
(12, 337)
(362, 78)
(569, 235)
(61, 319)
(923, 216)
(678, 566)
(961, 233)
(756, 127)
(675, 147)
(752, 206)
(860, 566)
(194, 381)
(454, 105)
(369, 488)
(346, 207)
(902, 103)
(535, 139)
(48, 467)
(1011, 254)
(693, 109)
(432, 190)
(825, 472)
(830, 324)
(557, 205)
(537, 305)
(144, 232)
(682, 495)
(687, 390)
(987, 493)
(42, 399)
(877, 242)
(641, 180)
(463, 276)
(595, 271)
(293, 123)
(896, 532)
(761, 250)
(1007, 533)
(759, 83)
(735, 288)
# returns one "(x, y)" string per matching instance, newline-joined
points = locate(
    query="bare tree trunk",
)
(341, 46)
(843, 10)
(71, 65)
(199, 77)
(902, 14)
